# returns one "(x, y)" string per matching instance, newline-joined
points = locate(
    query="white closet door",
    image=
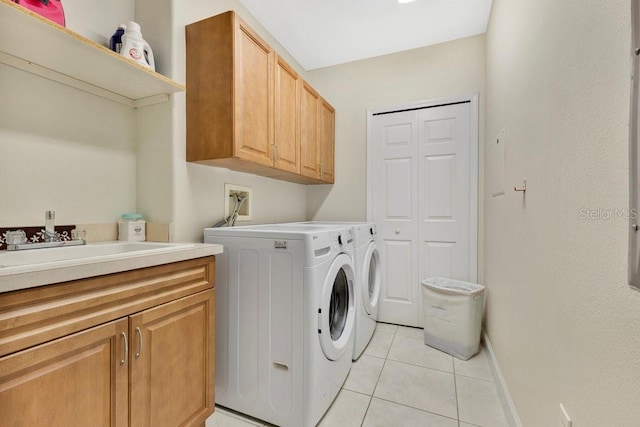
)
(395, 212)
(421, 190)
(444, 186)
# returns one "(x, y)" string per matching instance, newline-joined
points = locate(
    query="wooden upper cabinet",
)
(230, 81)
(247, 109)
(326, 141)
(317, 135)
(309, 118)
(253, 95)
(287, 112)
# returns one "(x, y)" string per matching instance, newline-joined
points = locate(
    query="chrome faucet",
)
(49, 226)
(51, 239)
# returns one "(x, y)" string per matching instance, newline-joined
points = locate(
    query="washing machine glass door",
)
(336, 313)
(371, 278)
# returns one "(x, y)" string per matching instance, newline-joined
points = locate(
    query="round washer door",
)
(371, 271)
(336, 315)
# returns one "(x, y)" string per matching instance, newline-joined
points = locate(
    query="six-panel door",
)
(421, 198)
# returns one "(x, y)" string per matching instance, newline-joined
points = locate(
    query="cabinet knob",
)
(397, 231)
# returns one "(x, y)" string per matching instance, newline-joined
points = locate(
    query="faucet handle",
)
(17, 237)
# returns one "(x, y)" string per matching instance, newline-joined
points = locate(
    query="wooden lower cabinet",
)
(73, 381)
(152, 368)
(172, 363)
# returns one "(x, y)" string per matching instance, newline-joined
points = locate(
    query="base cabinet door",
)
(78, 380)
(172, 363)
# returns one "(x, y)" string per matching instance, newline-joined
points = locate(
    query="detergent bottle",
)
(135, 48)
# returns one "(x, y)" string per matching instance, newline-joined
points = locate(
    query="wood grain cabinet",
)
(317, 130)
(151, 363)
(229, 104)
(245, 105)
(286, 117)
(326, 141)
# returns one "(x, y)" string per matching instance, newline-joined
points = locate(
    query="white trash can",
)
(452, 315)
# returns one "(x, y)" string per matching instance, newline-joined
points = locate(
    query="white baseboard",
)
(503, 391)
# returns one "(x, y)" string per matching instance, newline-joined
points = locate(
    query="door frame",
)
(474, 133)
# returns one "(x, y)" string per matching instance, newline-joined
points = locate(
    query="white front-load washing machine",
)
(285, 317)
(368, 276)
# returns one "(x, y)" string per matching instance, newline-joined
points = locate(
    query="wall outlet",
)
(565, 420)
(231, 193)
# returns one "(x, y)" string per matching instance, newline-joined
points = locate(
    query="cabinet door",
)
(253, 95)
(309, 153)
(287, 125)
(326, 141)
(172, 362)
(78, 380)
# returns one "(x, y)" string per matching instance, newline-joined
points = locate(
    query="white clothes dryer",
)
(368, 276)
(285, 317)
(368, 273)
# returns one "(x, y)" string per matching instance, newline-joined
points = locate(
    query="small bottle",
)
(132, 228)
(49, 226)
(115, 42)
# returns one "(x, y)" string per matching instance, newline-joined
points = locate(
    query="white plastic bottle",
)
(135, 47)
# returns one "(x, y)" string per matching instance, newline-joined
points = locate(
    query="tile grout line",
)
(455, 387)
(402, 404)
(378, 380)
(418, 409)
(422, 366)
(475, 378)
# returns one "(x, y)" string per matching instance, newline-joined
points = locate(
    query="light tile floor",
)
(399, 381)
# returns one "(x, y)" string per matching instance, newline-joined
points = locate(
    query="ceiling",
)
(320, 33)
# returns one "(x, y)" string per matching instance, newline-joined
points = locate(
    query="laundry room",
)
(364, 151)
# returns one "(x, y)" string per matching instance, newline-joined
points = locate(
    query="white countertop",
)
(38, 267)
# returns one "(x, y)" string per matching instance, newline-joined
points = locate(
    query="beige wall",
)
(564, 323)
(444, 70)
(194, 192)
(64, 149)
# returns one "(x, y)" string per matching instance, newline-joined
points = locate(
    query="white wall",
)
(195, 192)
(97, 20)
(63, 149)
(564, 323)
(439, 71)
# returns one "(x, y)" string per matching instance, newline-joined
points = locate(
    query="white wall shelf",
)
(39, 46)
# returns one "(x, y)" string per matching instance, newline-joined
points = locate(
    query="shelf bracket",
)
(47, 73)
(151, 100)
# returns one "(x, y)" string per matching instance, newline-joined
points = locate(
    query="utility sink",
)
(39, 259)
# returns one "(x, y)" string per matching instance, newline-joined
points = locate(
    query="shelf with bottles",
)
(37, 45)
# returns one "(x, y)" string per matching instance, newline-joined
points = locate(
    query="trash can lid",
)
(440, 284)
